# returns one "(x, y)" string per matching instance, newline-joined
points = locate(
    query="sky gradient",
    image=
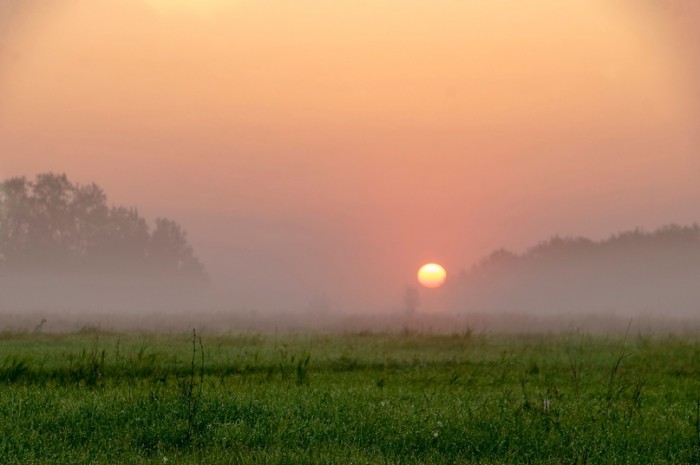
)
(330, 148)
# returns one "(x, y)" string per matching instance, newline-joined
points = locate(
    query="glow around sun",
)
(432, 275)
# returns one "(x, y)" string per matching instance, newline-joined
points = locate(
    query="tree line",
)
(634, 271)
(52, 225)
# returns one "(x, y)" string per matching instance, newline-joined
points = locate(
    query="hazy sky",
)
(329, 148)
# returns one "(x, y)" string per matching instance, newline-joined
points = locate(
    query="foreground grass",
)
(362, 398)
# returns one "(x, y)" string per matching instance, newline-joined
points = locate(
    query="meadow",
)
(358, 398)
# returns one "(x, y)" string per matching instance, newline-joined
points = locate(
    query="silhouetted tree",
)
(169, 250)
(53, 225)
(411, 300)
(89, 214)
(630, 271)
(123, 239)
(15, 219)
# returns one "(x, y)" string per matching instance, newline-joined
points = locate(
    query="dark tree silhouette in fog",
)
(411, 300)
(51, 225)
(630, 272)
(168, 249)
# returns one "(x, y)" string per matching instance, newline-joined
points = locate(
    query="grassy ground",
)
(360, 398)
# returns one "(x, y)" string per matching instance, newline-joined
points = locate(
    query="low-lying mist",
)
(507, 303)
(69, 260)
(630, 274)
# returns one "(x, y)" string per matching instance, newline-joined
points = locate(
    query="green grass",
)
(95, 397)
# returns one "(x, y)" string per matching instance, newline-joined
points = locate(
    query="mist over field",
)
(69, 259)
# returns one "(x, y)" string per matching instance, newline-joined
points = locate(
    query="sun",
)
(432, 275)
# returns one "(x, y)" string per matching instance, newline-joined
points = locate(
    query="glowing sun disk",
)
(432, 275)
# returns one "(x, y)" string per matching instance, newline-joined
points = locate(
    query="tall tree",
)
(169, 250)
(15, 219)
(53, 225)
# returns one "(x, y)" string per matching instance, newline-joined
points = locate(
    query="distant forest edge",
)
(52, 226)
(632, 272)
(62, 245)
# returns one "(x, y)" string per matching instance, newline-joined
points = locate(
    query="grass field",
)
(94, 397)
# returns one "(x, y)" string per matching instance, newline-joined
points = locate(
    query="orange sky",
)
(314, 147)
